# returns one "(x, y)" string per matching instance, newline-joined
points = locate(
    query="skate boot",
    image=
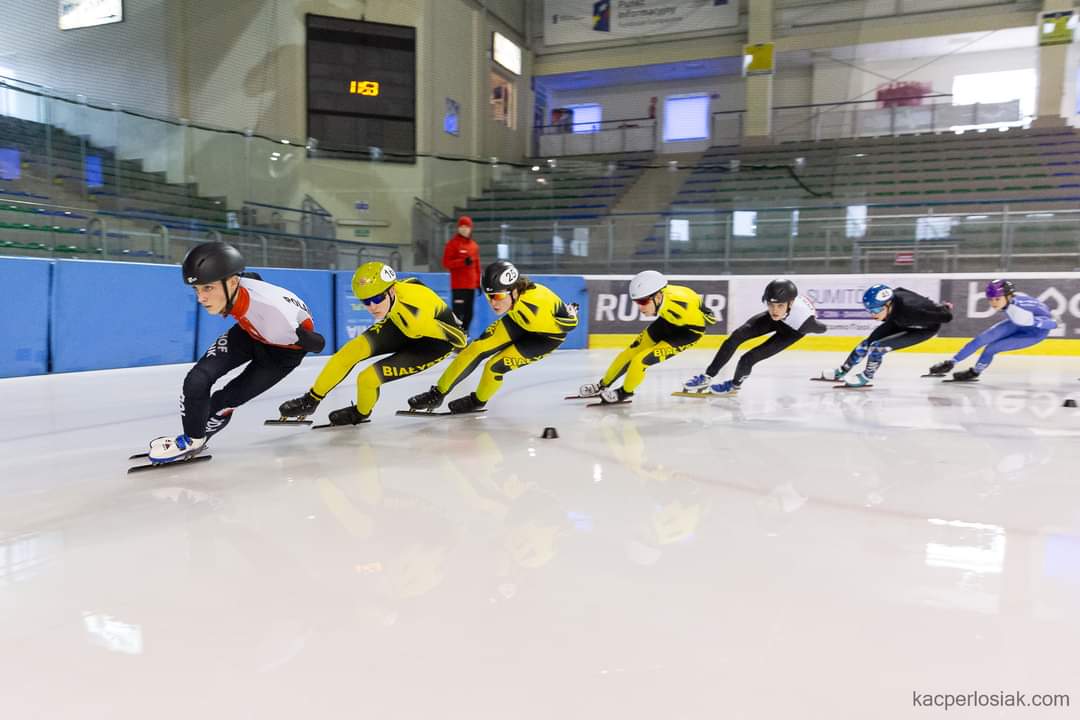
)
(942, 368)
(836, 375)
(965, 375)
(347, 416)
(589, 390)
(217, 422)
(174, 449)
(611, 396)
(427, 400)
(728, 387)
(299, 407)
(859, 380)
(698, 383)
(469, 403)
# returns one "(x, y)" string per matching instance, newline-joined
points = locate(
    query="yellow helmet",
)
(371, 279)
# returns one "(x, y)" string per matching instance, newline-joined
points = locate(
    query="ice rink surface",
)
(795, 552)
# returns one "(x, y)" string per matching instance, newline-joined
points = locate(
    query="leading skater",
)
(788, 316)
(534, 322)
(681, 318)
(1027, 322)
(273, 331)
(907, 319)
(412, 324)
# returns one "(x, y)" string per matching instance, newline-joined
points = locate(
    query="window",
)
(686, 117)
(503, 101)
(679, 230)
(998, 87)
(856, 221)
(744, 223)
(586, 118)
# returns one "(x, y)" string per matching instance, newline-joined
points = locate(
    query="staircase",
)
(655, 188)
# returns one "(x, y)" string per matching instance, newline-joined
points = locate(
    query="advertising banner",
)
(612, 311)
(577, 21)
(838, 298)
(972, 312)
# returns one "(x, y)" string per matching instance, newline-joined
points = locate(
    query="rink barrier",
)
(24, 325)
(118, 315)
(314, 287)
(615, 321)
(70, 315)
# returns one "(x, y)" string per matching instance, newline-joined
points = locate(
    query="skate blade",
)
(937, 375)
(825, 379)
(580, 397)
(604, 404)
(691, 393)
(163, 466)
(437, 413)
(288, 421)
(854, 387)
(332, 425)
(962, 382)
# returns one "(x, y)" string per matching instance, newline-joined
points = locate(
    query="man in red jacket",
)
(462, 258)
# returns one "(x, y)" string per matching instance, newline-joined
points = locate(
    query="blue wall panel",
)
(314, 287)
(116, 315)
(24, 324)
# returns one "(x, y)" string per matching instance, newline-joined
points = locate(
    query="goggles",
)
(498, 296)
(374, 299)
(642, 302)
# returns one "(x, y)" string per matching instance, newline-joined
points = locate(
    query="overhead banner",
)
(612, 311)
(578, 21)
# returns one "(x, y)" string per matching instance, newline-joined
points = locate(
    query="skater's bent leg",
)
(498, 336)
(992, 334)
(525, 351)
(779, 341)
(635, 374)
(897, 341)
(859, 352)
(756, 326)
(1016, 341)
(267, 369)
(416, 358)
(230, 351)
(642, 343)
(381, 338)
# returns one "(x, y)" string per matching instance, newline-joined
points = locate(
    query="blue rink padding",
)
(119, 315)
(24, 326)
(314, 287)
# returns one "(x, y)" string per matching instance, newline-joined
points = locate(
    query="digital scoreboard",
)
(361, 87)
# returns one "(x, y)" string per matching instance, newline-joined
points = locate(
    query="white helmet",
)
(646, 284)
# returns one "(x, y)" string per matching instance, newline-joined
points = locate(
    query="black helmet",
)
(780, 291)
(500, 276)
(210, 262)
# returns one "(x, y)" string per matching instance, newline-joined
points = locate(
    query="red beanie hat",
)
(464, 220)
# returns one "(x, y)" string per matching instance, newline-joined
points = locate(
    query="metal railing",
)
(80, 233)
(788, 240)
(595, 138)
(863, 118)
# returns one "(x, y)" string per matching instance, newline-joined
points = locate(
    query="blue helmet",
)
(875, 297)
